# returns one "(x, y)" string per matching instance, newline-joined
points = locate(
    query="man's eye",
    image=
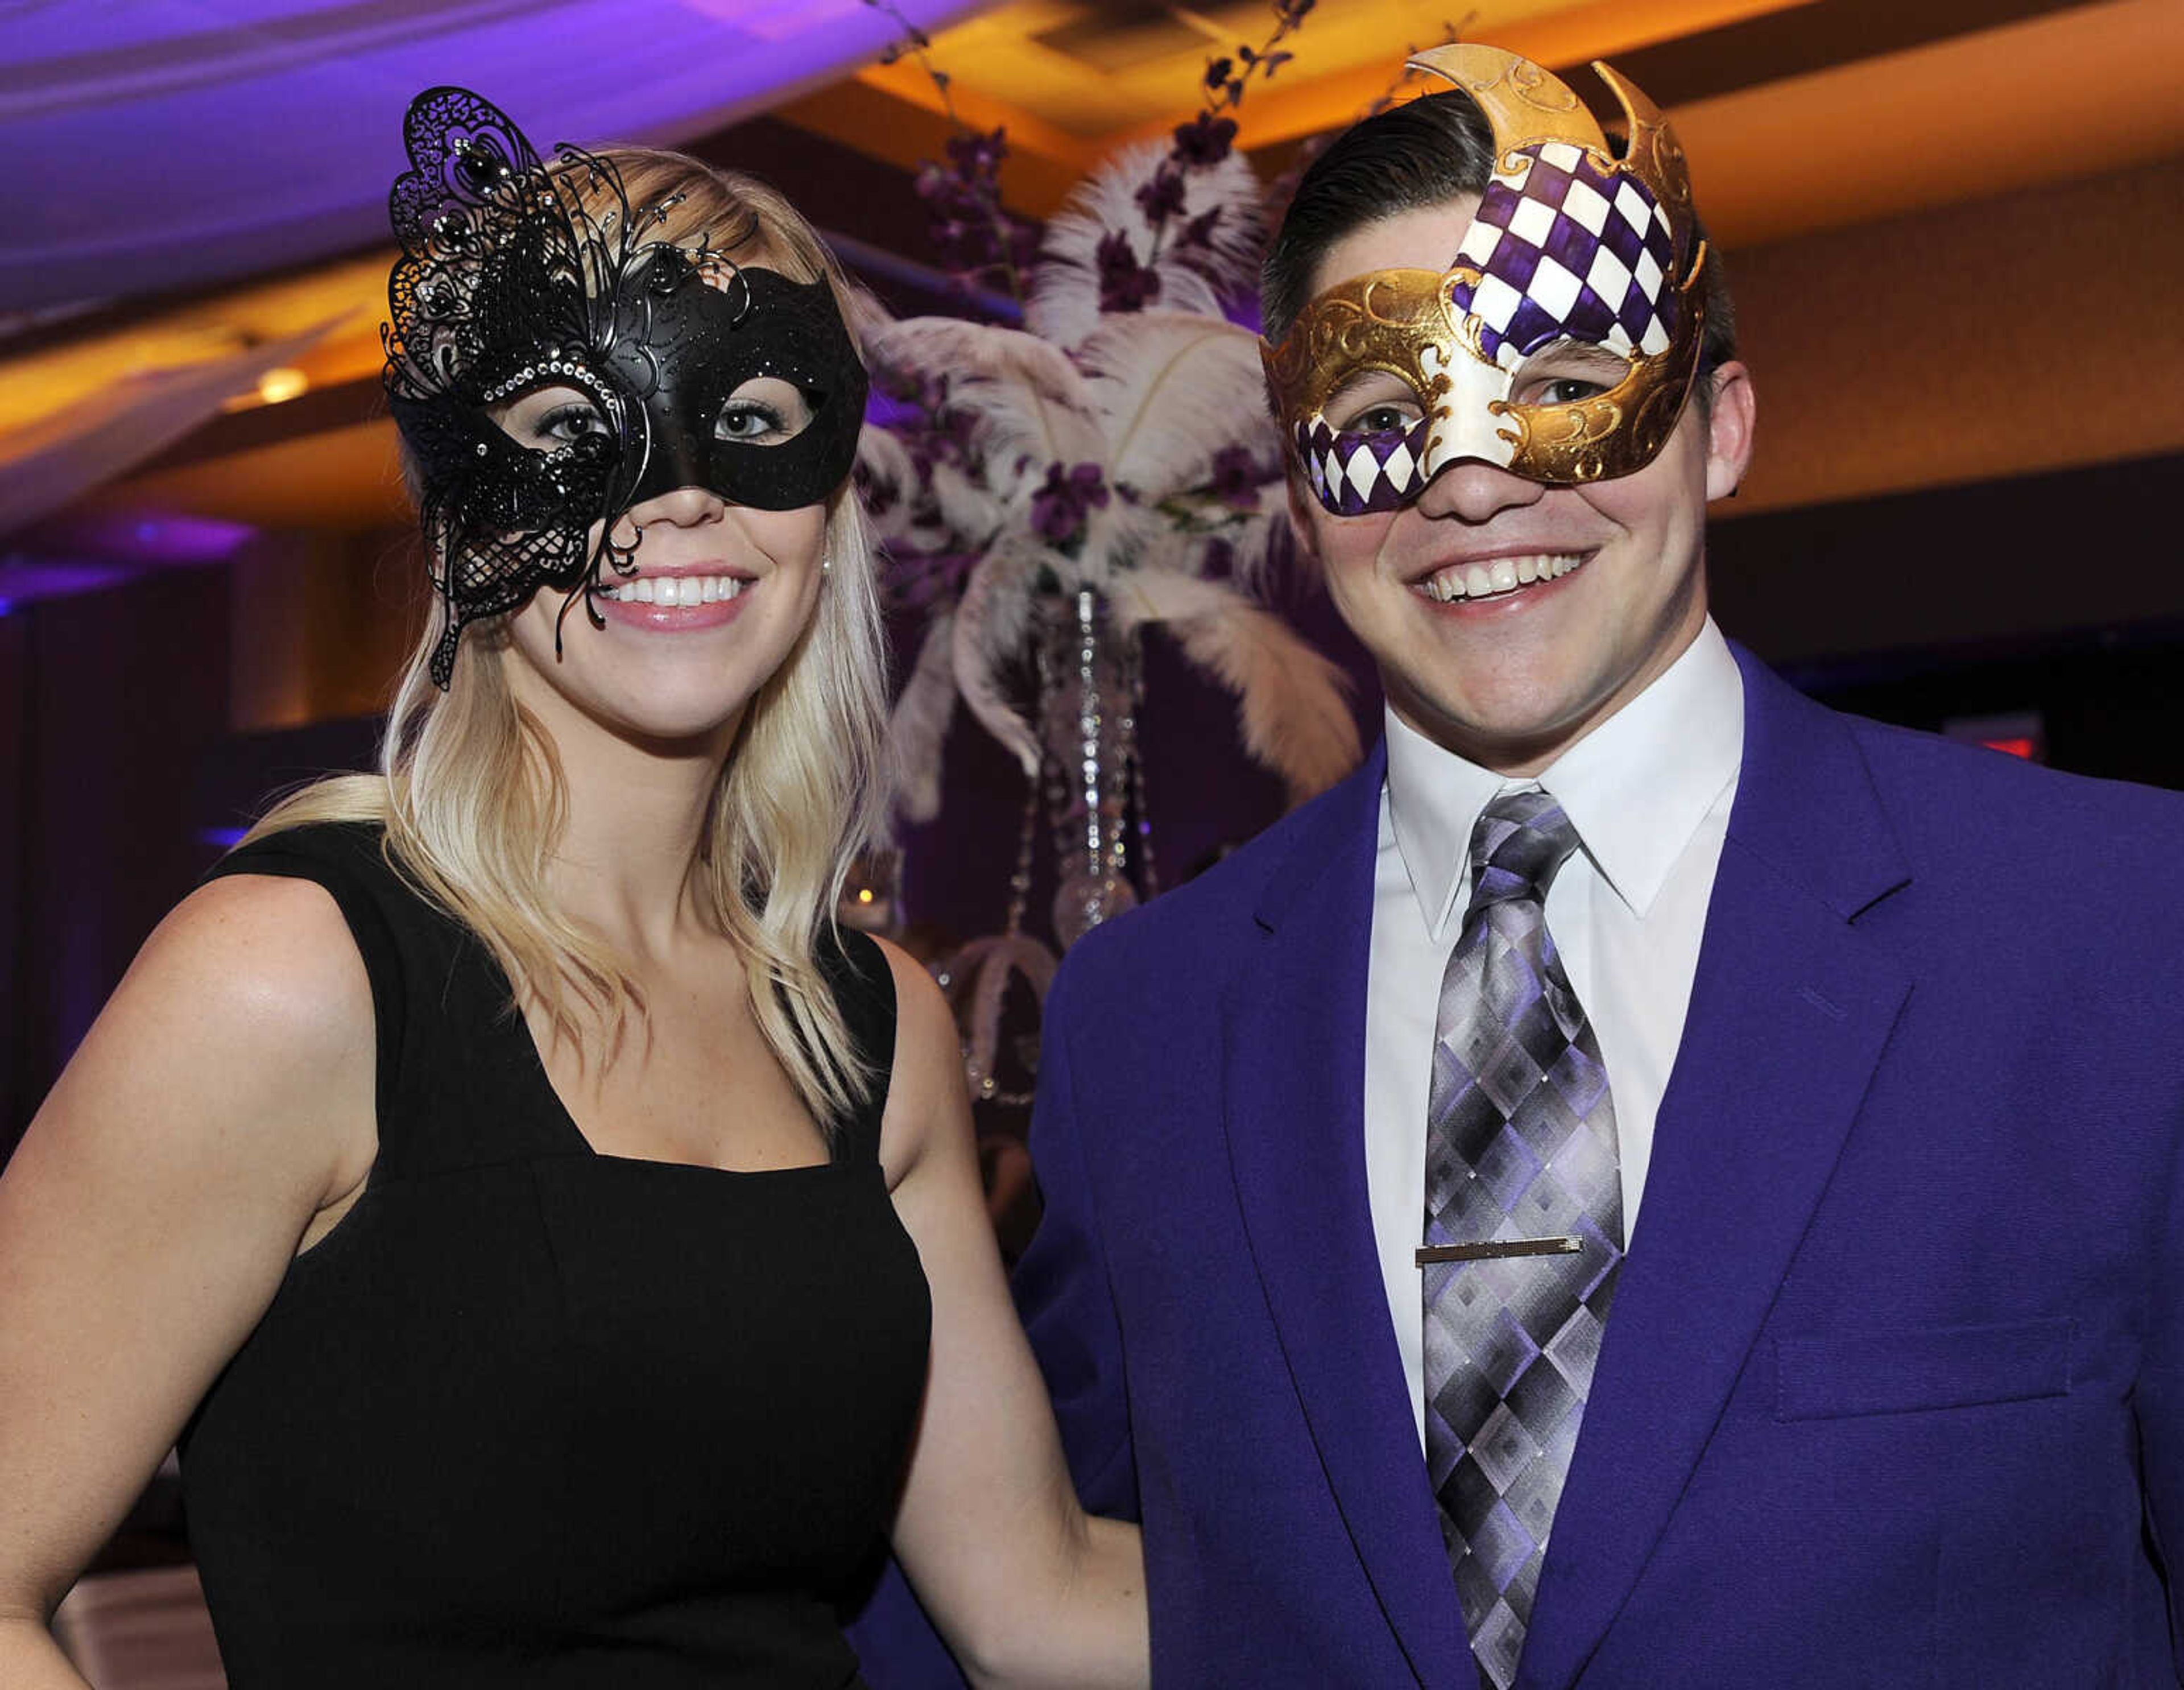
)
(1387, 418)
(744, 420)
(1567, 390)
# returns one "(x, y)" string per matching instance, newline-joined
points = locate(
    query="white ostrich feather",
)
(1171, 390)
(961, 349)
(990, 618)
(884, 458)
(1251, 533)
(1116, 538)
(1290, 702)
(1197, 513)
(1011, 568)
(970, 511)
(920, 721)
(1021, 432)
(1230, 259)
(1252, 541)
(1177, 548)
(1024, 389)
(1064, 304)
(1171, 549)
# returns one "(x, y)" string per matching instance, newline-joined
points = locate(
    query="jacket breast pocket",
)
(1909, 1369)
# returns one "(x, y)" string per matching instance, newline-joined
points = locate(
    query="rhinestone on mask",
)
(479, 166)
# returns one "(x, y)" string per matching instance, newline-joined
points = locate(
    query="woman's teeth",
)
(1499, 575)
(675, 589)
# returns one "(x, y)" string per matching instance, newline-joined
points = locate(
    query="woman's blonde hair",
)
(473, 799)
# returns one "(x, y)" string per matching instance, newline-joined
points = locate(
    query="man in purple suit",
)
(1650, 1182)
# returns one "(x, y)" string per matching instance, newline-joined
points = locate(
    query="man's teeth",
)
(1499, 575)
(675, 589)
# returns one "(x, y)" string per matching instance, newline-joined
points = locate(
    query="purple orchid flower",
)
(1125, 284)
(1061, 507)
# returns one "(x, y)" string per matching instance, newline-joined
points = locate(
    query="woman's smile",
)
(674, 602)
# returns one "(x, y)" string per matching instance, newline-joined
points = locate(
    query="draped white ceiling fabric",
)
(46, 466)
(148, 145)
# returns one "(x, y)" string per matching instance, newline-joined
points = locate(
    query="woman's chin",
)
(665, 723)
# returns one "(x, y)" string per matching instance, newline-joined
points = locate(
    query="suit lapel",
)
(1789, 1010)
(1294, 1028)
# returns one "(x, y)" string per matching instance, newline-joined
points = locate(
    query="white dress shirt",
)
(1649, 791)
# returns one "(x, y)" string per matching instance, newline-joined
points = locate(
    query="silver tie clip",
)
(1495, 1251)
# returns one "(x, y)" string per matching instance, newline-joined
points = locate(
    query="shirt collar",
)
(1637, 787)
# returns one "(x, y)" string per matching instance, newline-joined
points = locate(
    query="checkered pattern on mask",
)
(1354, 472)
(1567, 250)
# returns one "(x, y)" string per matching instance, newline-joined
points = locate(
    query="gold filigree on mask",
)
(1656, 157)
(1607, 435)
(1390, 320)
(1469, 325)
(1525, 104)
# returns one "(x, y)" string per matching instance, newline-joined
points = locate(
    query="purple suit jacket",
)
(1893, 1390)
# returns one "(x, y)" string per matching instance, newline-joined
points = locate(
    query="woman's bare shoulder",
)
(925, 1087)
(246, 1018)
(218, 1107)
(269, 955)
(919, 1001)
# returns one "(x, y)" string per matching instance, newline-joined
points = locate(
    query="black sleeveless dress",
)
(530, 1415)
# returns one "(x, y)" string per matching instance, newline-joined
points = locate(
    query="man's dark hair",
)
(1425, 153)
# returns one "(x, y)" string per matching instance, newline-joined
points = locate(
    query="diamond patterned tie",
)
(1520, 1144)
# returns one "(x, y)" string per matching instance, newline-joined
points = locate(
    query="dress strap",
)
(863, 983)
(448, 1063)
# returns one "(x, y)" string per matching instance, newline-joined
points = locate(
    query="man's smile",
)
(1492, 578)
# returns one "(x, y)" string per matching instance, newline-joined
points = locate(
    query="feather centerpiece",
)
(1119, 442)
(1047, 492)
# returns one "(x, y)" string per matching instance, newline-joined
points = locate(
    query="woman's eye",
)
(567, 424)
(765, 410)
(745, 421)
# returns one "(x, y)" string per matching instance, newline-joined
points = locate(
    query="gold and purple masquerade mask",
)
(1573, 254)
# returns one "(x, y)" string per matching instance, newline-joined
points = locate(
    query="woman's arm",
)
(1027, 1590)
(222, 1101)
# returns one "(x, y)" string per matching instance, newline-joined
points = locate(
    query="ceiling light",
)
(279, 385)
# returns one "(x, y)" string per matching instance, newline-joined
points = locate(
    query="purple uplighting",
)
(177, 144)
(164, 539)
(27, 580)
(85, 556)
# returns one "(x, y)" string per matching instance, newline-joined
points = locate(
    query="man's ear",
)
(1729, 430)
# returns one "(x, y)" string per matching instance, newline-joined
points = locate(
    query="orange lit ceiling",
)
(1071, 79)
(1958, 99)
(1799, 116)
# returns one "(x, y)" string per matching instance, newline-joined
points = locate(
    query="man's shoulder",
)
(1951, 805)
(1972, 803)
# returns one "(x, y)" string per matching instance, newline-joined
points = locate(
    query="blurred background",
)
(1954, 229)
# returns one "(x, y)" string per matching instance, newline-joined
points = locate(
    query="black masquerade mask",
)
(516, 278)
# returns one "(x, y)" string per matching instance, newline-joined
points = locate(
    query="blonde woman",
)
(558, 1249)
